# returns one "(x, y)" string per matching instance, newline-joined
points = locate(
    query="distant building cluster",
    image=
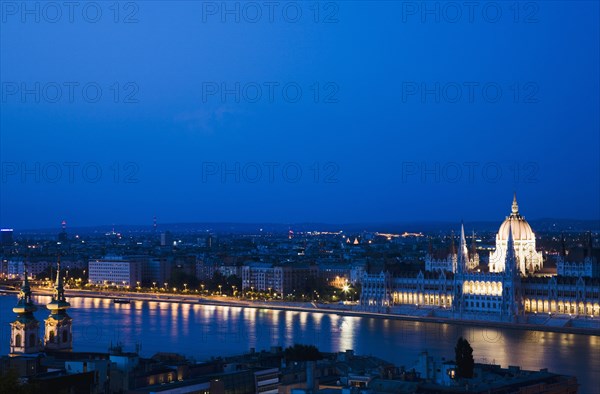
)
(279, 278)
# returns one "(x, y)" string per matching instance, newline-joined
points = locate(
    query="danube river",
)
(202, 331)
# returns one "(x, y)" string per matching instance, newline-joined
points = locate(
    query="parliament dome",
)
(521, 230)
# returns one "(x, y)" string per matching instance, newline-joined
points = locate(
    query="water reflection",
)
(202, 331)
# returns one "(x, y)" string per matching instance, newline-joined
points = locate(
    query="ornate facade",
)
(529, 260)
(586, 265)
(457, 285)
(24, 337)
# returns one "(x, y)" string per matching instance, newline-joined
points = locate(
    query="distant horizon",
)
(374, 222)
(119, 226)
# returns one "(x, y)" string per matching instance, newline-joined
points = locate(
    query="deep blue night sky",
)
(516, 108)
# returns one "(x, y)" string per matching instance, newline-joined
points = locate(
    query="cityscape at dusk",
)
(299, 197)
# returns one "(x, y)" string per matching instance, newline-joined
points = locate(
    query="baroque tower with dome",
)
(58, 326)
(24, 337)
(529, 260)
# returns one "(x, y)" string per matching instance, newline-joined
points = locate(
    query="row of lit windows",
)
(485, 305)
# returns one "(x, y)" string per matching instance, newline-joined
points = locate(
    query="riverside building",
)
(502, 291)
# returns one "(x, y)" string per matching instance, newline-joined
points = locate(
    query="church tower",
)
(24, 331)
(58, 332)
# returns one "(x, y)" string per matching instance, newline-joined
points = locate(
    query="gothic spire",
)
(510, 265)
(463, 256)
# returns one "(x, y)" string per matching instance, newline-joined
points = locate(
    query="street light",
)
(220, 292)
(185, 287)
(346, 289)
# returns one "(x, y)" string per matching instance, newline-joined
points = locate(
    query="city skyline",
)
(307, 197)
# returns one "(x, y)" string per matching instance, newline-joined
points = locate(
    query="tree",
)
(9, 384)
(179, 278)
(464, 359)
(302, 353)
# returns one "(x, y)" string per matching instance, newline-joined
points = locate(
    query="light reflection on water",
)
(203, 331)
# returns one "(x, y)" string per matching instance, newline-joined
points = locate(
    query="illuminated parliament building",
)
(457, 285)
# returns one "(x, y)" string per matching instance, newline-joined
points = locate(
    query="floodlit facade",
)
(528, 259)
(24, 331)
(24, 336)
(505, 293)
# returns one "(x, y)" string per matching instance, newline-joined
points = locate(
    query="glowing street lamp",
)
(346, 289)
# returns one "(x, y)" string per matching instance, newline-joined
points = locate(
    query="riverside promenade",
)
(556, 323)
